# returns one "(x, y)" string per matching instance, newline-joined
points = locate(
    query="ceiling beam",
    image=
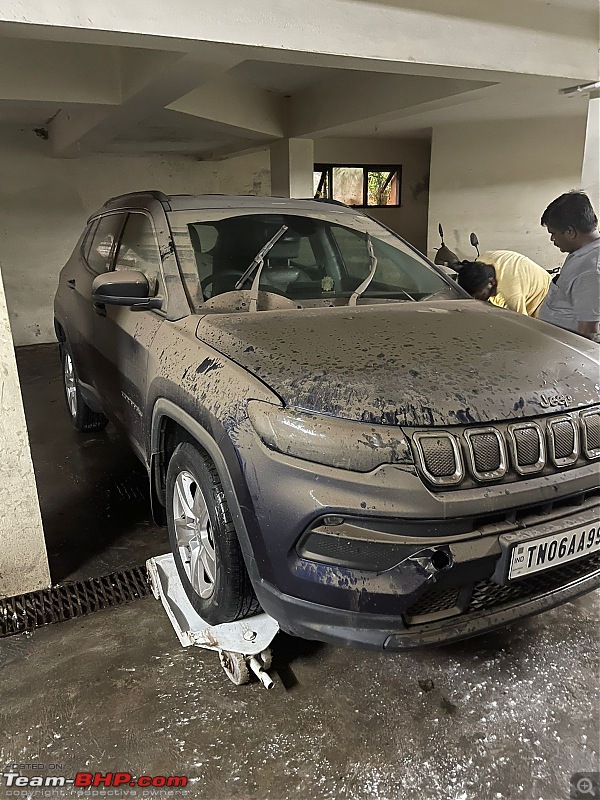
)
(147, 90)
(535, 37)
(326, 108)
(242, 107)
(55, 72)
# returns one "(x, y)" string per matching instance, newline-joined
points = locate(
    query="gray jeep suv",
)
(332, 429)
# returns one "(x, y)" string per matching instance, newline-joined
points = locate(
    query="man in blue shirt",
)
(573, 300)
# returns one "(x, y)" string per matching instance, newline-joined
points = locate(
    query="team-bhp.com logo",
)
(84, 780)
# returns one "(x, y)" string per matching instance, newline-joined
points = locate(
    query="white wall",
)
(496, 178)
(410, 220)
(23, 560)
(44, 204)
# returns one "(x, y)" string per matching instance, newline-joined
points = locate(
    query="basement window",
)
(362, 186)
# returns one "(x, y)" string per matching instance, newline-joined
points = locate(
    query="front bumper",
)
(377, 632)
(411, 600)
(415, 604)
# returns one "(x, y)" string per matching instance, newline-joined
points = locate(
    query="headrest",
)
(286, 248)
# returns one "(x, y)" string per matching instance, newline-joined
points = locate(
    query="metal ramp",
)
(243, 646)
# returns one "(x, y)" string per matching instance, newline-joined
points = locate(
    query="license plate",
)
(536, 555)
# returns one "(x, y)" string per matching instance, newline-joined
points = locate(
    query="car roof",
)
(188, 202)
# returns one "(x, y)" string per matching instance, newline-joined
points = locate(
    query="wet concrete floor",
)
(92, 488)
(509, 715)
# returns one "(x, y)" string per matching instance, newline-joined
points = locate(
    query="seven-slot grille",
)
(557, 441)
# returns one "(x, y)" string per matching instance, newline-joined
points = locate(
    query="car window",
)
(138, 249)
(395, 269)
(88, 238)
(321, 258)
(101, 248)
(203, 237)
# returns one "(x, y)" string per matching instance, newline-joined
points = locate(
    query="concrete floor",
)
(92, 488)
(510, 715)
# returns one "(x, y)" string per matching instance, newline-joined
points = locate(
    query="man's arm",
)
(586, 304)
(591, 330)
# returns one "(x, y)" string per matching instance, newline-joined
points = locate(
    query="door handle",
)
(71, 283)
(100, 309)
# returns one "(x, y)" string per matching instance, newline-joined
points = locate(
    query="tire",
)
(82, 416)
(203, 539)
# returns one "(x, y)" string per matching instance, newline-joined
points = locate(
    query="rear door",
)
(91, 258)
(122, 337)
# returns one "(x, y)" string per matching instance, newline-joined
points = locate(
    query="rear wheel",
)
(203, 539)
(82, 416)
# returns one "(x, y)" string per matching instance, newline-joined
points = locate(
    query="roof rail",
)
(157, 195)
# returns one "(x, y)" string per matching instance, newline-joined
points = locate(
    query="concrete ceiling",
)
(215, 101)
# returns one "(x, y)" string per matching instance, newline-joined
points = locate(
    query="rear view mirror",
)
(126, 287)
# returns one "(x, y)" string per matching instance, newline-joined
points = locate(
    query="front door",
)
(122, 337)
(91, 258)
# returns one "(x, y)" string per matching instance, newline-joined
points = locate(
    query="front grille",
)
(563, 441)
(439, 456)
(487, 595)
(506, 451)
(564, 438)
(527, 442)
(486, 452)
(34, 609)
(591, 430)
(433, 601)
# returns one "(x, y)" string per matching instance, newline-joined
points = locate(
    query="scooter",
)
(450, 262)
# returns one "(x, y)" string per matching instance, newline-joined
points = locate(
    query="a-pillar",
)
(292, 166)
(590, 173)
(23, 557)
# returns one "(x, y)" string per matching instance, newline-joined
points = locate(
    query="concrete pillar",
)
(292, 166)
(590, 172)
(23, 558)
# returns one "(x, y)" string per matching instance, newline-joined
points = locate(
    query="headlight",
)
(358, 446)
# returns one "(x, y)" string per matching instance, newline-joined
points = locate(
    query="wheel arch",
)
(167, 418)
(60, 332)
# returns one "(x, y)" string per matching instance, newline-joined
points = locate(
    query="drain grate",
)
(67, 601)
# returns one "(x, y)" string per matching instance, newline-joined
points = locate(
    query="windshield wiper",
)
(362, 288)
(259, 260)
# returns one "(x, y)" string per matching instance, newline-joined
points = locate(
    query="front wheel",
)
(82, 416)
(203, 539)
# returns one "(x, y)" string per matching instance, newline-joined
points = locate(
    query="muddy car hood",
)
(412, 364)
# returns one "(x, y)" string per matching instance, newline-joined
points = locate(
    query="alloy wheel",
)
(193, 533)
(70, 384)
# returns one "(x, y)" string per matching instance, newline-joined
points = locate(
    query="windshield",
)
(319, 259)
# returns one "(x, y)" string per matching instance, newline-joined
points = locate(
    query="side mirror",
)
(441, 232)
(474, 242)
(126, 287)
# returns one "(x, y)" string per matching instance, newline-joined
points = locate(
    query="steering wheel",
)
(209, 278)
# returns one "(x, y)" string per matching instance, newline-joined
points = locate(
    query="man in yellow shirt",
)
(506, 279)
